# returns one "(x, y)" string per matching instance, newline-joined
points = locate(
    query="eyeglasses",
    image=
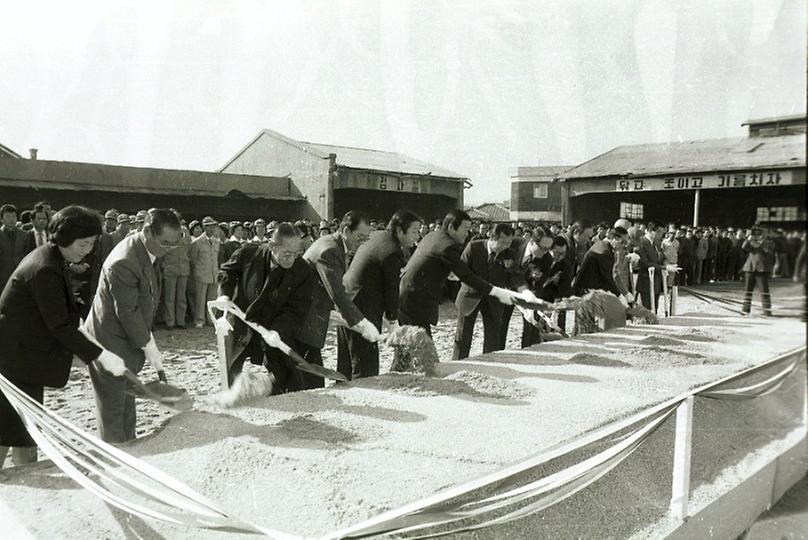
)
(168, 246)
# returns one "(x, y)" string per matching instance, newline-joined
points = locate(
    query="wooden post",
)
(696, 203)
(680, 492)
(674, 298)
(222, 327)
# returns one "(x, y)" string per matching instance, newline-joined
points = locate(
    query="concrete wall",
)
(309, 173)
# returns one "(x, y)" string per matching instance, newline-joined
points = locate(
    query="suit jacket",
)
(596, 271)
(421, 289)
(39, 322)
(13, 250)
(327, 259)
(128, 293)
(503, 271)
(373, 277)
(276, 298)
(204, 256)
(649, 257)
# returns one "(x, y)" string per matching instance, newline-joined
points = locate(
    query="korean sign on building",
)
(707, 181)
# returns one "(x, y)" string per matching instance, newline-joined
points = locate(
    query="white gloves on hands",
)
(529, 296)
(221, 302)
(368, 330)
(389, 324)
(272, 338)
(630, 298)
(153, 354)
(503, 295)
(671, 267)
(623, 300)
(111, 362)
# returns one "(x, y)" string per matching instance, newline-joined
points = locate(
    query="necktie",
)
(491, 257)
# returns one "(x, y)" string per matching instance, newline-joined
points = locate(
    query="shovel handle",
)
(161, 376)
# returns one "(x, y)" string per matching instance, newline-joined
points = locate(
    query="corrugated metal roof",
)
(775, 119)
(695, 156)
(551, 171)
(380, 160)
(490, 212)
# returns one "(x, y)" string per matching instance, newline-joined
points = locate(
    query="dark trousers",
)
(753, 278)
(115, 409)
(287, 377)
(356, 356)
(531, 335)
(492, 330)
(312, 355)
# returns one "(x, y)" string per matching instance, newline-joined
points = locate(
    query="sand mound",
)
(588, 359)
(661, 341)
(491, 386)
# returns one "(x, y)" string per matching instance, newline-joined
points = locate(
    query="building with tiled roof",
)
(492, 212)
(334, 179)
(732, 181)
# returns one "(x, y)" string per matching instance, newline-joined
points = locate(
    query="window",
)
(631, 211)
(779, 213)
(540, 191)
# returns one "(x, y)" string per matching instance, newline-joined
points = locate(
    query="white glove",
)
(111, 362)
(153, 354)
(623, 300)
(671, 267)
(630, 298)
(503, 295)
(221, 303)
(271, 337)
(368, 330)
(529, 296)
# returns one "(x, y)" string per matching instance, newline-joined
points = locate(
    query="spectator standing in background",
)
(15, 243)
(670, 254)
(176, 270)
(204, 257)
(757, 269)
(110, 221)
(702, 244)
(39, 219)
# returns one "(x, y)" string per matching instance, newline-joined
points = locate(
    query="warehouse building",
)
(536, 193)
(737, 181)
(335, 179)
(23, 182)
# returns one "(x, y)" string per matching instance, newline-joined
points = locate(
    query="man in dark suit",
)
(596, 272)
(648, 250)
(122, 317)
(436, 256)
(493, 260)
(272, 284)
(535, 265)
(327, 258)
(372, 282)
(15, 243)
(578, 233)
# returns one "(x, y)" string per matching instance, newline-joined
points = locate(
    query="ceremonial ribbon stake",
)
(664, 292)
(652, 289)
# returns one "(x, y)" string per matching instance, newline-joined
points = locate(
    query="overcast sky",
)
(478, 87)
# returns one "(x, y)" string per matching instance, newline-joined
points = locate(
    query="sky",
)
(478, 87)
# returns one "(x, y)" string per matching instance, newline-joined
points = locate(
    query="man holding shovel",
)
(272, 284)
(122, 317)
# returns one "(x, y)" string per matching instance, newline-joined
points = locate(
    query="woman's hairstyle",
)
(403, 219)
(72, 223)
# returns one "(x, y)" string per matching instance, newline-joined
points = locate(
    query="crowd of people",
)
(76, 283)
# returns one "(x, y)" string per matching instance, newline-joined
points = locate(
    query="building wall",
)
(733, 206)
(190, 206)
(526, 207)
(309, 173)
(381, 193)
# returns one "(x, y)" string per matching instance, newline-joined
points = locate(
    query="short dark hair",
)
(652, 226)
(559, 240)
(303, 227)
(618, 231)
(403, 219)
(26, 216)
(502, 229)
(72, 223)
(43, 203)
(581, 224)
(9, 208)
(353, 219)
(159, 218)
(539, 232)
(283, 231)
(454, 219)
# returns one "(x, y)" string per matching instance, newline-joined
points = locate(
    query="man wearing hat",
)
(110, 221)
(140, 219)
(122, 229)
(204, 257)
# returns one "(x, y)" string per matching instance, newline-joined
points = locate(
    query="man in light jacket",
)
(204, 255)
(176, 269)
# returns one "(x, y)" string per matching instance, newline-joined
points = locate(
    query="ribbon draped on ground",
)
(754, 390)
(121, 478)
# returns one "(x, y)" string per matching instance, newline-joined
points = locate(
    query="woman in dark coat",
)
(39, 323)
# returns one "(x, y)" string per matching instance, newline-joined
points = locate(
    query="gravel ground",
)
(350, 445)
